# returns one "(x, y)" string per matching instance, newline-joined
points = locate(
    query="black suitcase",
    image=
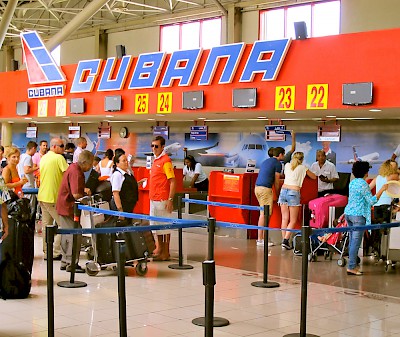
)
(105, 243)
(135, 242)
(20, 240)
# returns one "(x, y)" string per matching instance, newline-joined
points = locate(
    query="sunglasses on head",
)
(62, 145)
(154, 145)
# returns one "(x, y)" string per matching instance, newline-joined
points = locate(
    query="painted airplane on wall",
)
(372, 158)
(171, 149)
(252, 147)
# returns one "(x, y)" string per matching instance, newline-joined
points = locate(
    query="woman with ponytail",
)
(289, 198)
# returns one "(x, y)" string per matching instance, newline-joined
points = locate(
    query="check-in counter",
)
(239, 189)
(308, 191)
(233, 189)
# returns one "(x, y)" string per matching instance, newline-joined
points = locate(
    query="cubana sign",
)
(265, 57)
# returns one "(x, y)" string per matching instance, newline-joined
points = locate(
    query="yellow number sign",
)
(164, 103)
(285, 97)
(141, 104)
(42, 108)
(61, 107)
(317, 96)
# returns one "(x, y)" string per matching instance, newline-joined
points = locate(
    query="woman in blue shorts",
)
(289, 198)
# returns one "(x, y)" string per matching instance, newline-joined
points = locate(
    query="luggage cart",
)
(390, 242)
(102, 247)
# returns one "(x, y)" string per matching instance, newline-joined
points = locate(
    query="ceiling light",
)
(161, 115)
(109, 116)
(375, 110)
(201, 118)
(290, 112)
(27, 117)
(262, 117)
(331, 116)
(150, 119)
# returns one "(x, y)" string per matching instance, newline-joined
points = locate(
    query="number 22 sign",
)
(317, 96)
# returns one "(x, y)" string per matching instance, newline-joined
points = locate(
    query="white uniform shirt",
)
(197, 169)
(328, 170)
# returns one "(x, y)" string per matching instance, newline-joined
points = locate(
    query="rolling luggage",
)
(19, 243)
(105, 242)
(320, 209)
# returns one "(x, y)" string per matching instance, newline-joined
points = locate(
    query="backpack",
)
(15, 279)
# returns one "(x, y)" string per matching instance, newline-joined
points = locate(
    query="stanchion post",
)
(120, 254)
(209, 278)
(305, 232)
(50, 233)
(180, 264)
(264, 283)
(75, 250)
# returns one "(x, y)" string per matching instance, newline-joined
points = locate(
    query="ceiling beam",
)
(6, 19)
(86, 13)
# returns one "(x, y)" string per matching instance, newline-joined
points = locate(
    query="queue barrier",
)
(208, 266)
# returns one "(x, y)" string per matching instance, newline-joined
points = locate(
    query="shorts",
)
(157, 208)
(264, 196)
(289, 197)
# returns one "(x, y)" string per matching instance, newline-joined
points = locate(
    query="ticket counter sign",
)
(199, 132)
(275, 133)
(317, 96)
(231, 183)
(285, 97)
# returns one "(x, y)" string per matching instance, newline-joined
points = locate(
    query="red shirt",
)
(161, 171)
(73, 182)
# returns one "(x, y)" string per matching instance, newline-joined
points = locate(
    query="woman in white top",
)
(106, 164)
(289, 198)
(195, 172)
(388, 171)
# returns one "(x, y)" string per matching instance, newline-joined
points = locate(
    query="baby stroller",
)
(336, 242)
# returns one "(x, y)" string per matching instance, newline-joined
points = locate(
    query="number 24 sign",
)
(317, 96)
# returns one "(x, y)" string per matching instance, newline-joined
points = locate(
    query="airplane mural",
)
(372, 158)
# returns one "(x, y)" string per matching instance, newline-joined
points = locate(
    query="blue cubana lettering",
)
(147, 70)
(80, 84)
(182, 66)
(268, 67)
(106, 81)
(232, 52)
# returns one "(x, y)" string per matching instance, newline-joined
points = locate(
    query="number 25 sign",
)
(317, 96)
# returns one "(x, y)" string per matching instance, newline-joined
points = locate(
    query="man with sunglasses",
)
(162, 191)
(52, 168)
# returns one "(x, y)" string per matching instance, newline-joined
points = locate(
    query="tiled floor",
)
(164, 302)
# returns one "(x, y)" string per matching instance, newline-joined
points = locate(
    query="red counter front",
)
(233, 189)
(143, 205)
(239, 189)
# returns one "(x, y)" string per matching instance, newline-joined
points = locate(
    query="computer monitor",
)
(192, 100)
(244, 98)
(77, 105)
(113, 103)
(22, 108)
(357, 93)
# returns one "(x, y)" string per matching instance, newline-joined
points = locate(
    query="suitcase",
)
(138, 242)
(105, 243)
(19, 243)
(320, 209)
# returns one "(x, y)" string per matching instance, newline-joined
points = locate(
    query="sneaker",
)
(270, 244)
(286, 244)
(78, 269)
(260, 242)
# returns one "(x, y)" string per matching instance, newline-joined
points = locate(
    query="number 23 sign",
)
(317, 96)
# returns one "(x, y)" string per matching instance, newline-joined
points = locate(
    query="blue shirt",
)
(360, 200)
(266, 175)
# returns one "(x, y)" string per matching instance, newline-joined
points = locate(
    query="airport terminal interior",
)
(217, 78)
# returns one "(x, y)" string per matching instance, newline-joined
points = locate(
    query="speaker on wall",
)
(120, 51)
(300, 30)
(14, 65)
